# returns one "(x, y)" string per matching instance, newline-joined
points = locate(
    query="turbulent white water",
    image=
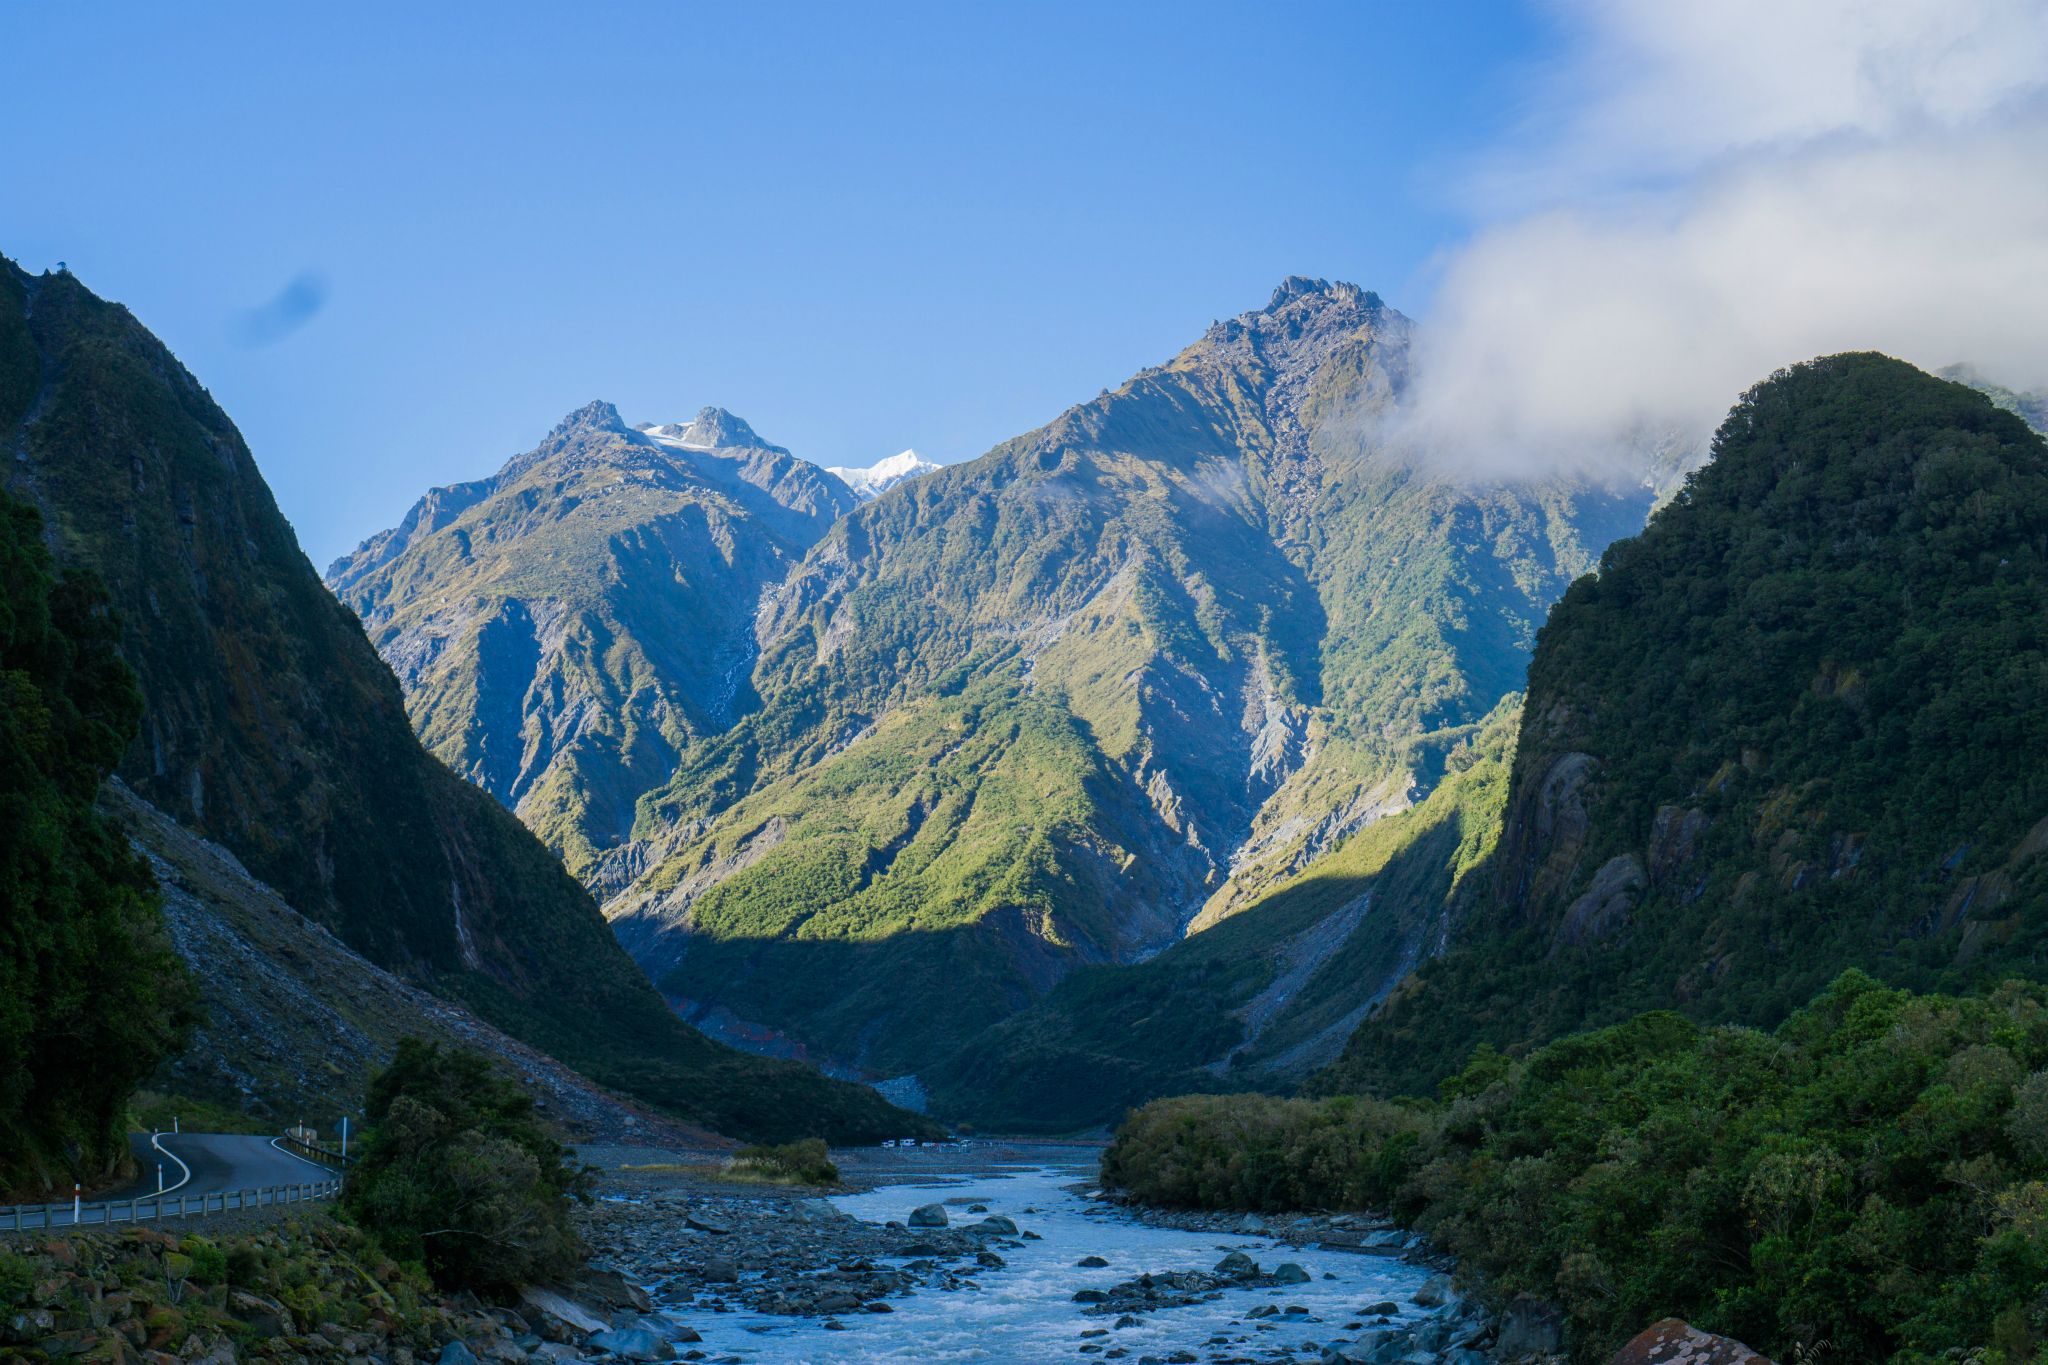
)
(1025, 1312)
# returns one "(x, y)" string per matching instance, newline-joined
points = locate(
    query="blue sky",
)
(860, 227)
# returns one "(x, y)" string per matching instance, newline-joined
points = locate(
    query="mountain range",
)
(1179, 744)
(1048, 709)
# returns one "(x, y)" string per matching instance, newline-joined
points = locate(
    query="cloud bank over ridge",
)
(1702, 194)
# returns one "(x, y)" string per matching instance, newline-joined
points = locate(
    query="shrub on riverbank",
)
(459, 1176)
(799, 1163)
(1873, 1175)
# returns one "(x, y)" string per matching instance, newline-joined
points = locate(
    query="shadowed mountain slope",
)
(271, 727)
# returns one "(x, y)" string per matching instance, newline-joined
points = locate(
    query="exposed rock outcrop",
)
(1672, 1342)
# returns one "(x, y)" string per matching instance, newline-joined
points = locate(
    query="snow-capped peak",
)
(883, 475)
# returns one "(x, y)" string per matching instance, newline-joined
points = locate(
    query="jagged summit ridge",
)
(1305, 286)
(594, 416)
(711, 429)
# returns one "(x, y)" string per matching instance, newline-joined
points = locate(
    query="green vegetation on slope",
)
(564, 627)
(921, 884)
(1795, 726)
(1245, 626)
(271, 727)
(91, 997)
(1868, 1183)
(1258, 999)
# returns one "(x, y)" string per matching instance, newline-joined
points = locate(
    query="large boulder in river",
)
(995, 1225)
(1672, 1342)
(1239, 1265)
(929, 1216)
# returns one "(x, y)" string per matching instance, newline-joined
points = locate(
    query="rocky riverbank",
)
(930, 1258)
(714, 1258)
(306, 1289)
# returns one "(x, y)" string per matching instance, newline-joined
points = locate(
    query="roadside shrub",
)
(1873, 1175)
(17, 1278)
(806, 1162)
(457, 1175)
(209, 1261)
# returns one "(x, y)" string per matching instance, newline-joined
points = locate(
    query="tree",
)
(459, 1175)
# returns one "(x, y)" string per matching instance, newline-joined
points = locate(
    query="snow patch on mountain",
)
(877, 479)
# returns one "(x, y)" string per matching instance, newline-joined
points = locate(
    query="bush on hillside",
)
(1873, 1174)
(458, 1175)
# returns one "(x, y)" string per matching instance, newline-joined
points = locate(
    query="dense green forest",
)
(1868, 1182)
(91, 995)
(1795, 726)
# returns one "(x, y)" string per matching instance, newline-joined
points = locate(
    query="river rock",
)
(1435, 1292)
(719, 1270)
(455, 1353)
(1091, 1263)
(995, 1225)
(1237, 1264)
(1529, 1327)
(1673, 1342)
(929, 1216)
(1287, 1272)
(634, 1343)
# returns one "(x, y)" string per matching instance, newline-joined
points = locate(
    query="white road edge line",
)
(156, 1141)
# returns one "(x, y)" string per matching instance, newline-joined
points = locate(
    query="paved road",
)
(213, 1162)
(202, 1172)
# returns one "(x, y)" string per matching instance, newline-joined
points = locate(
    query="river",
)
(1025, 1311)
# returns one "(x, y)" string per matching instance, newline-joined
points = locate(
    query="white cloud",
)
(1710, 192)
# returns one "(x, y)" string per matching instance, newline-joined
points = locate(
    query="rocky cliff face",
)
(272, 728)
(1046, 708)
(564, 628)
(1791, 728)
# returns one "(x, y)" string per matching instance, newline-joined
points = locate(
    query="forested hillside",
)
(91, 996)
(270, 726)
(1793, 727)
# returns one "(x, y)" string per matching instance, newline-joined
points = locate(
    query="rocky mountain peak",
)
(594, 416)
(710, 429)
(1303, 286)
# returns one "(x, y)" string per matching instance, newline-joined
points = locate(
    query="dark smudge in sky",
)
(297, 304)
